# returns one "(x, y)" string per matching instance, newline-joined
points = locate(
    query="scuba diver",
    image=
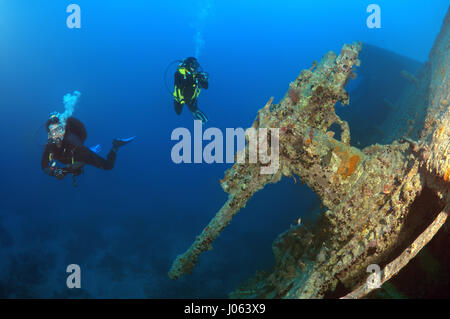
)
(189, 80)
(65, 144)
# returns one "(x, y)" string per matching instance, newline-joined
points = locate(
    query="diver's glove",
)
(59, 173)
(203, 76)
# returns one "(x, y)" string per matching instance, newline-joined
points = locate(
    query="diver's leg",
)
(193, 106)
(85, 155)
(196, 112)
(178, 107)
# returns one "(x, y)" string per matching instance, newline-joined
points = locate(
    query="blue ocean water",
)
(125, 227)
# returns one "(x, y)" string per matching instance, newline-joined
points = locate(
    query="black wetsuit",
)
(187, 85)
(73, 153)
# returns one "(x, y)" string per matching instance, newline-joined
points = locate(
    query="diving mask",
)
(56, 133)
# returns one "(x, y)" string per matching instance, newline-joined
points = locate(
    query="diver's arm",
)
(178, 81)
(45, 161)
(49, 169)
(203, 80)
(178, 78)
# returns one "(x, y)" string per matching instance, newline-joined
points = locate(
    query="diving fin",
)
(199, 115)
(119, 142)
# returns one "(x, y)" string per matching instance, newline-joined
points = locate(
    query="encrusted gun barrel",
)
(303, 116)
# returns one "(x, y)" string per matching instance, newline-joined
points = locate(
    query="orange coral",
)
(447, 174)
(311, 136)
(348, 164)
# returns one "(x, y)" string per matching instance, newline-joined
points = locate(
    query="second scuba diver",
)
(189, 80)
(65, 144)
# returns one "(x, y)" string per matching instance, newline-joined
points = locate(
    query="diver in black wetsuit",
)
(189, 80)
(65, 144)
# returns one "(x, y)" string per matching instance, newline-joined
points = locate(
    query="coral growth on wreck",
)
(348, 162)
(294, 95)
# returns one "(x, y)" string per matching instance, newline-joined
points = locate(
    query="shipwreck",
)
(372, 195)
